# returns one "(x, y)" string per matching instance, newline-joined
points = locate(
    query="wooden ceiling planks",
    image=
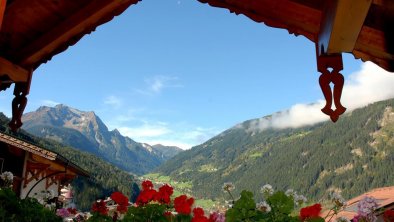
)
(35, 30)
(375, 41)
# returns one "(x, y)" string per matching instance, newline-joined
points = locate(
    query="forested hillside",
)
(105, 178)
(351, 156)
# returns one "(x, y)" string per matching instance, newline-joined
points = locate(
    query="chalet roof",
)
(374, 41)
(384, 197)
(27, 146)
(42, 152)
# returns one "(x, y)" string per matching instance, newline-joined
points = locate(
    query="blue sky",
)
(178, 72)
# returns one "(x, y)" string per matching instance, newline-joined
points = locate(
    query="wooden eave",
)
(33, 31)
(42, 155)
(61, 164)
(374, 42)
(27, 147)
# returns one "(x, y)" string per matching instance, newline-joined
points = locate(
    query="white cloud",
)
(156, 132)
(145, 131)
(156, 84)
(47, 102)
(113, 101)
(370, 84)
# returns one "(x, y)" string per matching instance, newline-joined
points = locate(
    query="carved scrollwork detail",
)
(330, 67)
(21, 90)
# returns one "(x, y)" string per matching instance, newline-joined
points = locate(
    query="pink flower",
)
(367, 206)
(217, 217)
(63, 212)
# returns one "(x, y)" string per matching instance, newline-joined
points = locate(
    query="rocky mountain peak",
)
(86, 131)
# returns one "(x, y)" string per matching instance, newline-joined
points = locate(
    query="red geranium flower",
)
(183, 205)
(164, 194)
(72, 210)
(167, 214)
(147, 185)
(310, 212)
(388, 215)
(199, 215)
(121, 200)
(100, 207)
(146, 196)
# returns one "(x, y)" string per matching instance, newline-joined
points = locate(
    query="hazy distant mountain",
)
(353, 155)
(86, 131)
(167, 151)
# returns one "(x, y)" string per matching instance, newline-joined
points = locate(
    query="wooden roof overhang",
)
(364, 28)
(53, 160)
(33, 31)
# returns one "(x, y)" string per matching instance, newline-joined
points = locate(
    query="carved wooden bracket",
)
(21, 90)
(52, 179)
(34, 171)
(330, 66)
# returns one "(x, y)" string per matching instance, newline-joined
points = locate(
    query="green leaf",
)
(244, 209)
(281, 203)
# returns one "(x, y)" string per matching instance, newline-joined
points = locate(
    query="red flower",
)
(199, 215)
(310, 212)
(121, 200)
(167, 214)
(388, 215)
(164, 194)
(146, 196)
(147, 185)
(183, 205)
(100, 207)
(72, 210)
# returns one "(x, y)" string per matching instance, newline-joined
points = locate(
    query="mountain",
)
(351, 156)
(104, 177)
(85, 131)
(167, 151)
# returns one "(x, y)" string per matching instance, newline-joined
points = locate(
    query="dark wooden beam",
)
(14, 72)
(341, 24)
(82, 22)
(3, 4)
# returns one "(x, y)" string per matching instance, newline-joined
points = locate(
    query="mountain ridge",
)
(87, 132)
(313, 160)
